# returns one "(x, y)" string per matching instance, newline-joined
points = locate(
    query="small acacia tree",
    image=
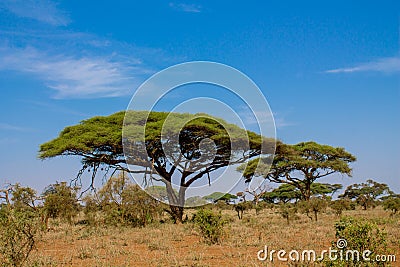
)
(366, 194)
(20, 224)
(392, 203)
(124, 202)
(300, 165)
(314, 205)
(60, 201)
(98, 141)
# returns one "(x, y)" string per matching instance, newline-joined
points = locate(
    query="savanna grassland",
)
(168, 244)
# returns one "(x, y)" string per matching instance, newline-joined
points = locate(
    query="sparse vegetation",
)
(210, 224)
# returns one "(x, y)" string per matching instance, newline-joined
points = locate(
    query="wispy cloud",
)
(189, 8)
(10, 127)
(40, 10)
(52, 107)
(264, 117)
(72, 76)
(384, 65)
(73, 64)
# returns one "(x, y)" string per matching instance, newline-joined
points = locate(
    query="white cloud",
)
(189, 8)
(40, 10)
(9, 127)
(72, 76)
(265, 117)
(384, 65)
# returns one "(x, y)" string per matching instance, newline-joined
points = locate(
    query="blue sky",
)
(329, 70)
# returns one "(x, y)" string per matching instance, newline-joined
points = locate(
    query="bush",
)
(241, 207)
(126, 203)
(314, 205)
(211, 225)
(19, 230)
(392, 204)
(288, 211)
(340, 205)
(360, 235)
(60, 202)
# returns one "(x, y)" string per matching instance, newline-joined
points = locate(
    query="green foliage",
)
(313, 206)
(308, 160)
(90, 210)
(288, 211)
(195, 201)
(284, 193)
(288, 192)
(210, 224)
(241, 207)
(126, 203)
(360, 235)
(366, 194)
(19, 231)
(392, 204)
(23, 197)
(215, 196)
(340, 205)
(99, 142)
(60, 201)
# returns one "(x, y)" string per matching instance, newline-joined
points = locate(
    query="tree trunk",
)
(307, 192)
(176, 202)
(176, 213)
(316, 215)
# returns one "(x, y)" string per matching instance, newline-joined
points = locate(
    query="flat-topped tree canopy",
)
(99, 139)
(190, 145)
(300, 165)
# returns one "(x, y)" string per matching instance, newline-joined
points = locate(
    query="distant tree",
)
(392, 203)
(195, 201)
(216, 196)
(340, 205)
(98, 141)
(300, 165)
(366, 194)
(284, 193)
(241, 207)
(288, 211)
(287, 192)
(60, 201)
(314, 205)
(24, 197)
(257, 193)
(325, 189)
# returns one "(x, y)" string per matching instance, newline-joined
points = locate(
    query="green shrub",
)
(312, 207)
(340, 205)
(19, 230)
(123, 202)
(360, 235)
(288, 211)
(61, 202)
(211, 225)
(392, 204)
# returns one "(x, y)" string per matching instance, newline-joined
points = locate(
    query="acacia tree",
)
(101, 144)
(287, 192)
(300, 165)
(365, 194)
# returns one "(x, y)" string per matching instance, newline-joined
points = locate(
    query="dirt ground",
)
(181, 245)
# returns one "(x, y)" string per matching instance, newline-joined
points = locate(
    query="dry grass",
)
(181, 245)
